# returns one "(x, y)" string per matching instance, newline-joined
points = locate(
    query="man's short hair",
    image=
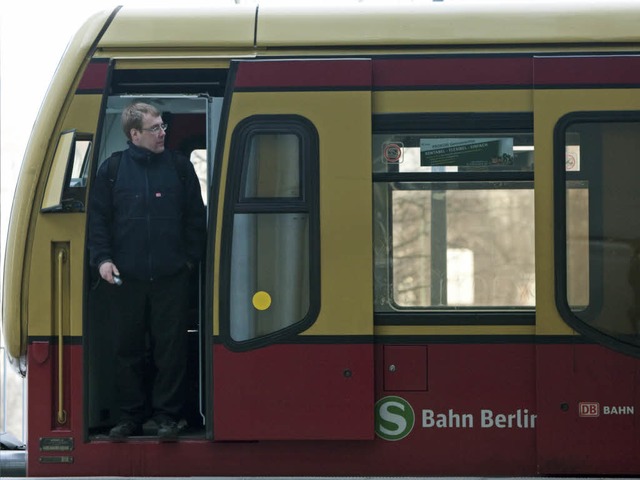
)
(133, 115)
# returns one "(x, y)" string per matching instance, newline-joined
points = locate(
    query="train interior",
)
(192, 129)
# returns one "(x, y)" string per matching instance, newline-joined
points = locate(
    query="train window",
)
(199, 160)
(453, 220)
(272, 169)
(79, 166)
(272, 217)
(599, 244)
(453, 245)
(67, 184)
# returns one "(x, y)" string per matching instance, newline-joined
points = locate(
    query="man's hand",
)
(108, 270)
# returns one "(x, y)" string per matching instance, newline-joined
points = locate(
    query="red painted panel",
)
(589, 407)
(597, 71)
(405, 367)
(43, 405)
(42, 402)
(39, 351)
(94, 77)
(287, 392)
(497, 379)
(453, 72)
(505, 71)
(334, 74)
(459, 427)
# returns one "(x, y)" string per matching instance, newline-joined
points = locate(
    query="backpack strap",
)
(180, 166)
(113, 166)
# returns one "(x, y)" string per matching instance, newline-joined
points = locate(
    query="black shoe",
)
(168, 431)
(123, 430)
(150, 427)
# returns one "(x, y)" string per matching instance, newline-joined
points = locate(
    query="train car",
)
(423, 247)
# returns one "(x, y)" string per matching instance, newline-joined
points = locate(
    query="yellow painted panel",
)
(77, 117)
(385, 330)
(68, 227)
(448, 23)
(49, 228)
(375, 25)
(55, 182)
(179, 27)
(410, 101)
(162, 60)
(343, 121)
(30, 186)
(550, 106)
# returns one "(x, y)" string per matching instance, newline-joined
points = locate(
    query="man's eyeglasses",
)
(156, 128)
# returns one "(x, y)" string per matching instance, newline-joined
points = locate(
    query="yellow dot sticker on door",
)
(261, 300)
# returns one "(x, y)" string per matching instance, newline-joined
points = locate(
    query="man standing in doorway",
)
(147, 230)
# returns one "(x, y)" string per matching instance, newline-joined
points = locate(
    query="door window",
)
(599, 243)
(273, 266)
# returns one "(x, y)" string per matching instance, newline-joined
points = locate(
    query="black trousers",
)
(151, 316)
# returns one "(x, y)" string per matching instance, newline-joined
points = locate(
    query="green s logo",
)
(394, 418)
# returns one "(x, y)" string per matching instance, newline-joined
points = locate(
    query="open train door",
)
(292, 285)
(588, 344)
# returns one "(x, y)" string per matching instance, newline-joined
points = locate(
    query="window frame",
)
(596, 218)
(71, 198)
(236, 203)
(454, 123)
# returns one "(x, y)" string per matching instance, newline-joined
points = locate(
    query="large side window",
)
(598, 246)
(271, 224)
(453, 217)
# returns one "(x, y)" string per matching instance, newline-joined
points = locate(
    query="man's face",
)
(151, 136)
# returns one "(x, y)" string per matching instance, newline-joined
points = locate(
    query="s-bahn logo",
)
(394, 418)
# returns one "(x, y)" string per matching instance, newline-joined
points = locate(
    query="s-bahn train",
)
(423, 241)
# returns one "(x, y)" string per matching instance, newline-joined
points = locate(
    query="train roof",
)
(376, 25)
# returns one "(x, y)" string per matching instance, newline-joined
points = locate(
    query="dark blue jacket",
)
(150, 221)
